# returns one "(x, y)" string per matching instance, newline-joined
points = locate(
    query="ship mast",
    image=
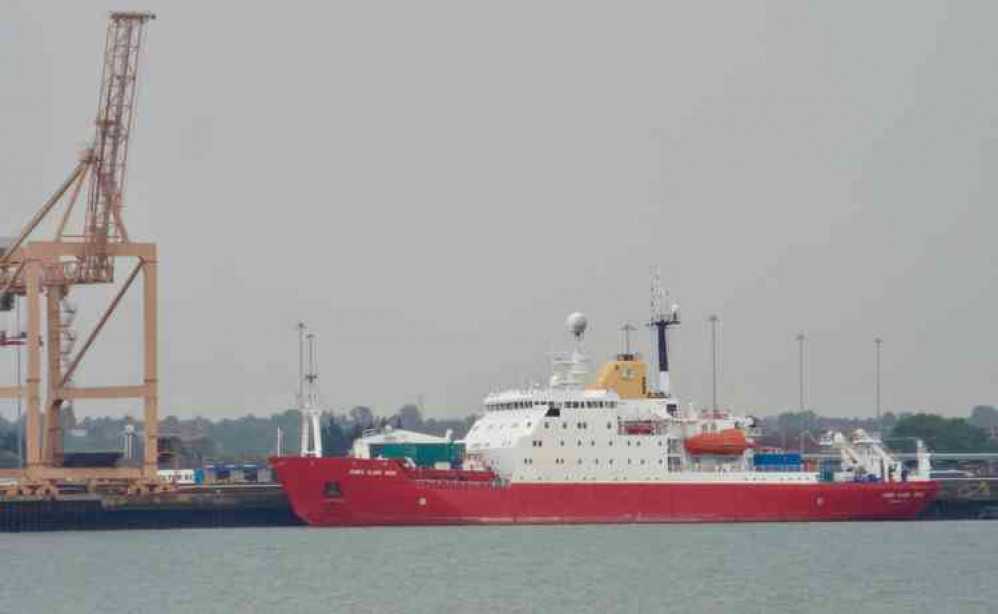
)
(308, 396)
(661, 322)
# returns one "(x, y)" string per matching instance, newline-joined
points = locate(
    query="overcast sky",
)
(434, 186)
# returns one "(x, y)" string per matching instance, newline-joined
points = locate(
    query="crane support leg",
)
(53, 417)
(150, 363)
(33, 278)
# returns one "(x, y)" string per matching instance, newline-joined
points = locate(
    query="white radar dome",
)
(576, 323)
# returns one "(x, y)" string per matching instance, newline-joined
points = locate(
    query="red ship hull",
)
(360, 492)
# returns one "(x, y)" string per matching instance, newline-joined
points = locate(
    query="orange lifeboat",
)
(731, 442)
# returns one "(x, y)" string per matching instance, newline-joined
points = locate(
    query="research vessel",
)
(616, 449)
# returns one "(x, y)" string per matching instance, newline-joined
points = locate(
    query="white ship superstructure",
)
(618, 430)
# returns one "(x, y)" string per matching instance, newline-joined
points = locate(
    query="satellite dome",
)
(576, 323)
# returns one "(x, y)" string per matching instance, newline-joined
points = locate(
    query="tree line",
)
(253, 438)
(249, 439)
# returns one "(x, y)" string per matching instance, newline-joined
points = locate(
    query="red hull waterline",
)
(363, 492)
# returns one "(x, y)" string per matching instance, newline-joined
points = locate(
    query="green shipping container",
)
(422, 454)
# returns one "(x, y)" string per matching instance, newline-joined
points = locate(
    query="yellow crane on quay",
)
(43, 271)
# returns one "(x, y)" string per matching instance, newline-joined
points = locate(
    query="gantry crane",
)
(45, 271)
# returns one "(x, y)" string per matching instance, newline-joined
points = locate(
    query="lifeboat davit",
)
(731, 442)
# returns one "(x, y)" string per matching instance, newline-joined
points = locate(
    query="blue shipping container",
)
(787, 459)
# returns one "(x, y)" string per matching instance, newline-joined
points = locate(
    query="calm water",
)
(841, 568)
